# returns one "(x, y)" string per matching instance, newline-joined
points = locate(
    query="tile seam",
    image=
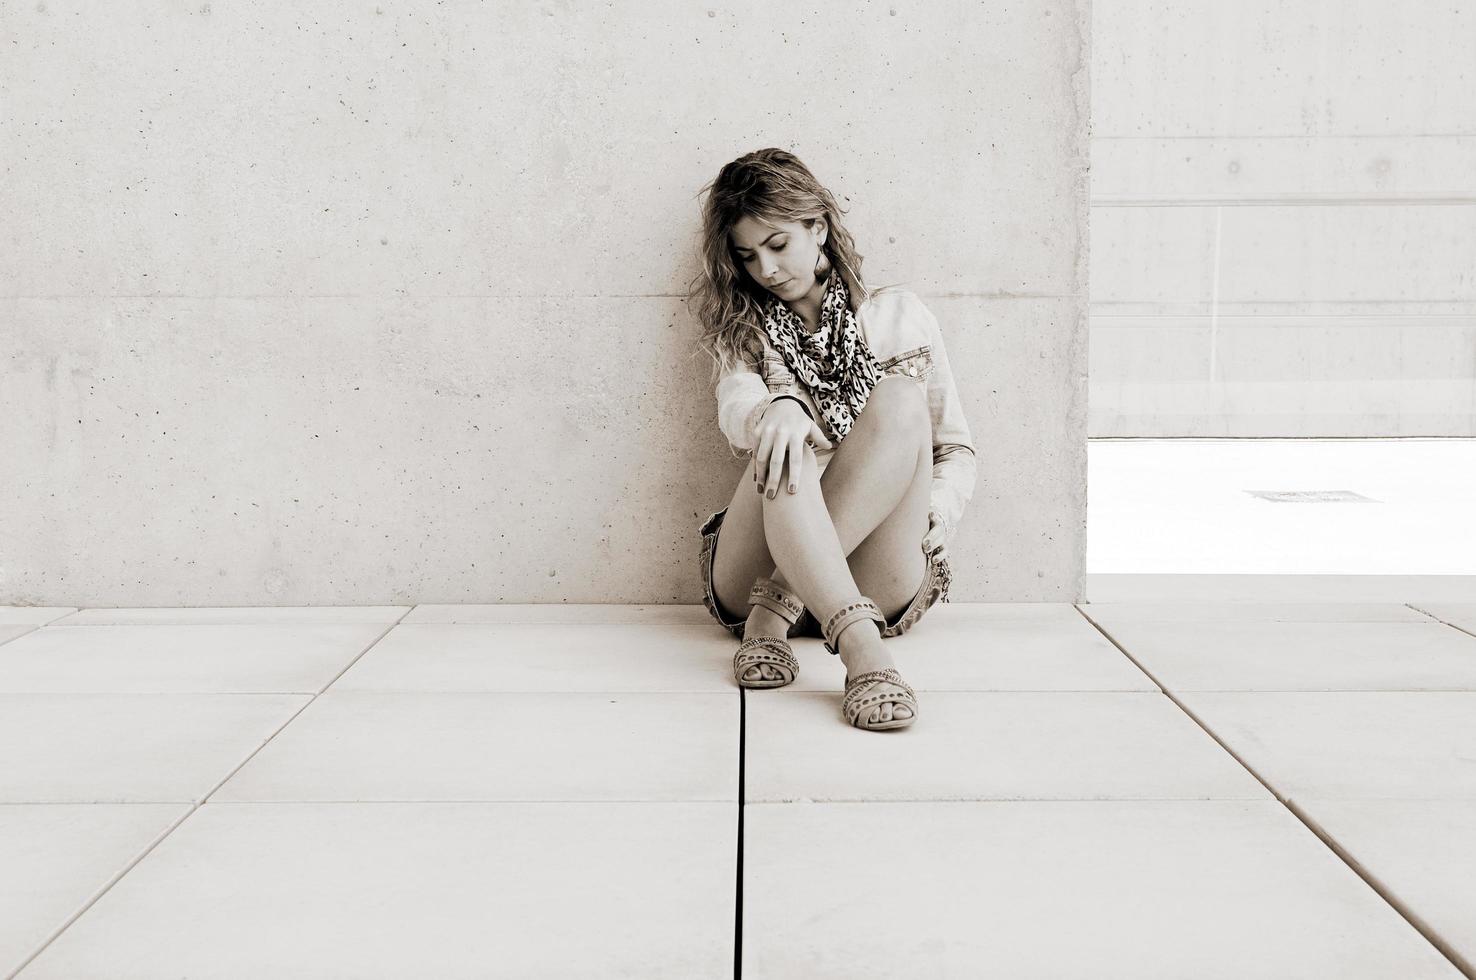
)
(1436, 943)
(193, 808)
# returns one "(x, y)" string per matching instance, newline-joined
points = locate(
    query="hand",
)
(783, 432)
(933, 540)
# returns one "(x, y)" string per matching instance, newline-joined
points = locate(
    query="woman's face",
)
(779, 256)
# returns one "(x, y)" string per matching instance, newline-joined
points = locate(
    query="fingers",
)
(761, 456)
(776, 468)
(785, 465)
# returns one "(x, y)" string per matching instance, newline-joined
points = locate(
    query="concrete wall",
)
(371, 303)
(1283, 219)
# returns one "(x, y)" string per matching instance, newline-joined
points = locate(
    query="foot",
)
(763, 621)
(861, 649)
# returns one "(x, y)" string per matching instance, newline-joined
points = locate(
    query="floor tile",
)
(236, 615)
(33, 615)
(566, 613)
(546, 657)
(1350, 744)
(573, 747)
(263, 659)
(1289, 656)
(1111, 614)
(1458, 614)
(443, 890)
(8, 633)
(975, 746)
(55, 856)
(1423, 855)
(130, 748)
(1143, 890)
(986, 654)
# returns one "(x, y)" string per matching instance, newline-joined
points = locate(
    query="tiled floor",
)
(1143, 789)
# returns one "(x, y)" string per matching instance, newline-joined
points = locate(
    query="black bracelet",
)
(801, 404)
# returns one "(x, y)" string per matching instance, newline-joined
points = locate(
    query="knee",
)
(900, 406)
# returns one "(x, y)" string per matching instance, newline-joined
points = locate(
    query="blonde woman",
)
(861, 460)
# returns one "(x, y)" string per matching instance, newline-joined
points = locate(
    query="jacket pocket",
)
(916, 363)
(777, 376)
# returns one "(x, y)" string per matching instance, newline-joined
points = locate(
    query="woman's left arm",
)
(955, 465)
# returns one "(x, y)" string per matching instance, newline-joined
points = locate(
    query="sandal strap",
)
(846, 615)
(859, 697)
(870, 679)
(764, 650)
(774, 597)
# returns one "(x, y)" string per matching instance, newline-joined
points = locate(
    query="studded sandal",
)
(772, 650)
(873, 687)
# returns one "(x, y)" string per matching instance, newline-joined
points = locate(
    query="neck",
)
(807, 307)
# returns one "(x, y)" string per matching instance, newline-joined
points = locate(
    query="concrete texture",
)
(366, 304)
(1283, 204)
(519, 809)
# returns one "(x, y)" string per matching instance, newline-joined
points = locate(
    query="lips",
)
(782, 284)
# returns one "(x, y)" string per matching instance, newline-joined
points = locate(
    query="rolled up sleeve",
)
(955, 463)
(742, 397)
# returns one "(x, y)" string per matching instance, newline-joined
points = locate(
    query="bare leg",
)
(810, 558)
(866, 485)
(886, 464)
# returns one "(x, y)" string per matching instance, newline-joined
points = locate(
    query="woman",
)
(862, 458)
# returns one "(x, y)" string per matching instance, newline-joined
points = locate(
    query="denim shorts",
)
(936, 579)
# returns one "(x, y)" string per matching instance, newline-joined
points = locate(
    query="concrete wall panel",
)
(1152, 259)
(1368, 254)
(1027, 521)
(373, 303)
(1299, 182)
(1142, 367)
(1267, 68)
(1283, 409)
(519, 148)
(1252, 169)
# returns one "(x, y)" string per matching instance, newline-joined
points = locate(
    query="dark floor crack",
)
(738, 892)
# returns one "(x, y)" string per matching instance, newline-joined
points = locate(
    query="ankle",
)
(860, 640)
(765, 622)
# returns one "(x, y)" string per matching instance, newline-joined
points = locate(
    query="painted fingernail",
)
(791, 488)
(759, 487)
(771, 495)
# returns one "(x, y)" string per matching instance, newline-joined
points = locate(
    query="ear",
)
(821, 230)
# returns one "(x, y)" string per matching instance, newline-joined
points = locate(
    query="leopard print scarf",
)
(833, 362)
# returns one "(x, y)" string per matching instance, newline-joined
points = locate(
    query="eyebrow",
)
(745, 248)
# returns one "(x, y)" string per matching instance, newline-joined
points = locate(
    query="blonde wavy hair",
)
(767, 185)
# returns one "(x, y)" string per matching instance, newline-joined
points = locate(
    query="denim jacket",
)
(904, 336)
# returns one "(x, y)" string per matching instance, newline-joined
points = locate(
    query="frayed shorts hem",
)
(937, 577)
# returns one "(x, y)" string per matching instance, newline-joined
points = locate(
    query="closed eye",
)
(750, 258)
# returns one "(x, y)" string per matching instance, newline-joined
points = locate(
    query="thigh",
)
(741, 553)
(889, 565)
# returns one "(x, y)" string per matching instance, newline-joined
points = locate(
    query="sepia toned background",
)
(1283, 219)
(382, 303)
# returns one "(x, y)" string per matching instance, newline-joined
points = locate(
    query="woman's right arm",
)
(742, 397)
(774, 440)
